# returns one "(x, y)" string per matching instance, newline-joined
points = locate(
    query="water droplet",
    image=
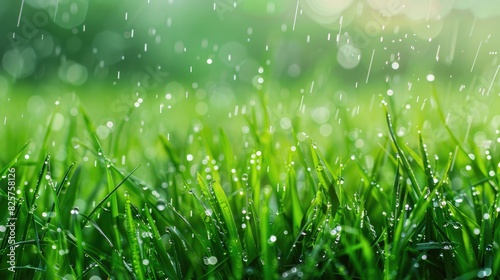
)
(489, 248)
(272, 239)
(484, 273)
(161, 204)
(210, 260)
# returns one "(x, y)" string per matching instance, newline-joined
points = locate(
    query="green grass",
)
(154, 202)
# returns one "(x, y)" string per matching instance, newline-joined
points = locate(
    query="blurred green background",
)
(321, 66)
(79, 42)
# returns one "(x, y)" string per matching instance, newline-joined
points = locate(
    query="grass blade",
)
(133, 241)
(105, 199)
(415, 191)
(234, 244)
(163, 257)
(11, 163)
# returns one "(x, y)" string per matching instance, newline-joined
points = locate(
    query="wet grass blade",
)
(425, 163)
(29, 208)
(234, 244)
(485, 249)
(105, 199)
(79, 239)
(291, 201)
(266, 244)
(326, 179)
(360, 252)
(227, 151)
(114, 214)
(415, 191)
(164, 259)
(88, 219)
(133, 241)
(57, 194)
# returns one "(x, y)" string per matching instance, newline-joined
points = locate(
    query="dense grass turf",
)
(390, 189)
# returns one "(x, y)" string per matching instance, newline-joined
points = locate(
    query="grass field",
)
(249, 139)
(393, 187)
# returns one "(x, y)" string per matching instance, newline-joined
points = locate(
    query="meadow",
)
(265, 193)
(284, 154)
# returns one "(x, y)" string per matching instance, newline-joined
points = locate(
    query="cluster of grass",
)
(273, 207)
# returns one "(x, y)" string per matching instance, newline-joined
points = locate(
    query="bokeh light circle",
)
(348, 56)
(73, 73)
(19, 63)
(325, 11)
(109, 47)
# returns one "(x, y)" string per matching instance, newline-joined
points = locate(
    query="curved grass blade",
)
(88, 219)
(415, 191)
